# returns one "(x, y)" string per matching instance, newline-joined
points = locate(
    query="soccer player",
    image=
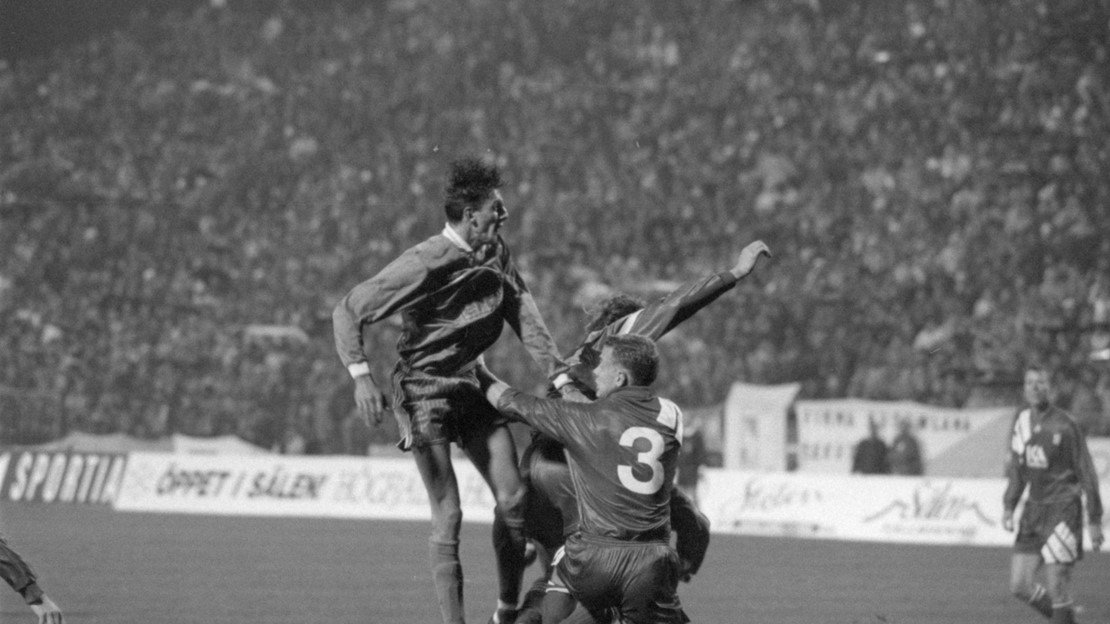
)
(19, 575)
(455, 291)
(1048, 452)
(551, 512)
(622, 451)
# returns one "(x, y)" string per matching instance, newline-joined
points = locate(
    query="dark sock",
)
(508, 546)
(557, 606)
(448, 577)
(1063, 614)
(1040, 601)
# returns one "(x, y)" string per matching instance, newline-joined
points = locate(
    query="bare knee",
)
(511, 502)
(446, 523)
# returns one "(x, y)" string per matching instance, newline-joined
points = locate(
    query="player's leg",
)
(434, 463)
(494, 455)
(1023, 582)
(1058, 583)
(651, 585)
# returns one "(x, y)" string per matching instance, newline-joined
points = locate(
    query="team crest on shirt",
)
(1056, 437)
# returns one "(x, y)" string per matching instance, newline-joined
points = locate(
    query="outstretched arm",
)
(15, 571)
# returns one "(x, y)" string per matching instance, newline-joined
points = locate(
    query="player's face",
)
(1037, 388)
(608, 374)
(486, 220)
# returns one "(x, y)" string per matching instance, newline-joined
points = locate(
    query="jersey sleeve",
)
(18, 574)
(1088, 477)
(660, 317)
(398, 285)
(523, 315)
(564, 421)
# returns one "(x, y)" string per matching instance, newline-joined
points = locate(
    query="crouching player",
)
(1049, 454)
(622, 452)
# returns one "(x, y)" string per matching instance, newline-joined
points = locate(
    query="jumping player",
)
(1048, 452)
(455, 291)
(622, 451)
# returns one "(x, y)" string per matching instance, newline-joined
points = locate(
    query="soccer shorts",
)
(638, 579)
(1052, 530)
(551, 512)
(434, 409)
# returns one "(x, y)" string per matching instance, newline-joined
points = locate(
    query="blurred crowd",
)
(185, 195)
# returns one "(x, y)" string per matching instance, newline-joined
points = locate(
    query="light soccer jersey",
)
(622, 451)
(1049, 454)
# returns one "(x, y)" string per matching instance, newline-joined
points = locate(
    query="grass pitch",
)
(105, 567)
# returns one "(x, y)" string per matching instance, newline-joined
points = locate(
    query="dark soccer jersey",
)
(1049, 453)
(622, 451)
(653, 321)
(453, 304)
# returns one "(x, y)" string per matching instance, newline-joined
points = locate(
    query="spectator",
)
(870, 454)
(905, 451)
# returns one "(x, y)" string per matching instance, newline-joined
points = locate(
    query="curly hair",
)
(613, 308)
(471, 182)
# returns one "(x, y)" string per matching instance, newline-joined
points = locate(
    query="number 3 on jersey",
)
(648, 458)
(670, 416)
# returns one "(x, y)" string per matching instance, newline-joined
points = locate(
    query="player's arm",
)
(563, 421)
(1088, 481)
(691, 529)
(660, 317)
(1015, 477)
(15, 571)
(396, 286)
(523, 315)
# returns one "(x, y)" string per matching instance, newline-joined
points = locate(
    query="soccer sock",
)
(557, 606)
(508, 546)
(1041, 601)
(1063, 614)
(448, 577)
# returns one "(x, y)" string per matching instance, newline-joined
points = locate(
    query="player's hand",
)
(684, 573)
(370, 400)
(1095, 529)
(48, 612)
(1008, 520)
(748, 258)
(570, 392)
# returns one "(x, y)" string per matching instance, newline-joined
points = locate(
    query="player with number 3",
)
(622, 451)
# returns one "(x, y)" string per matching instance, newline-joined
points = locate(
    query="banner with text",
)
(829, 430)
(60, 476)
(280, 485)
(856, 507)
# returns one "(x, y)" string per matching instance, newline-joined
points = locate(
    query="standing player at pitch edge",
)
(455, 291)
(622, 451)
(552, 513)
(1049, 454)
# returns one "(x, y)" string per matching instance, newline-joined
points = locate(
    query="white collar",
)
(454, 237)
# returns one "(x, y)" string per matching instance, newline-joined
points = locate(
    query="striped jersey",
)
(1048, 452)
(454, 304)
(653, 321)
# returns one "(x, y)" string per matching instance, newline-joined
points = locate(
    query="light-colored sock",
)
(447, 575)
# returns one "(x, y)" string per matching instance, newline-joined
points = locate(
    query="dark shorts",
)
(1052, 530)
(637, 579)
(551, 512)
(433, 409)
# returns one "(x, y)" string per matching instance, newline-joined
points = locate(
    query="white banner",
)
(829, 430)
(280, 485)
(1100, 453)
(855, 507)
(755, 426)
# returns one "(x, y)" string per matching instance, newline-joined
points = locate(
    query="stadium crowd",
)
(185, 195)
